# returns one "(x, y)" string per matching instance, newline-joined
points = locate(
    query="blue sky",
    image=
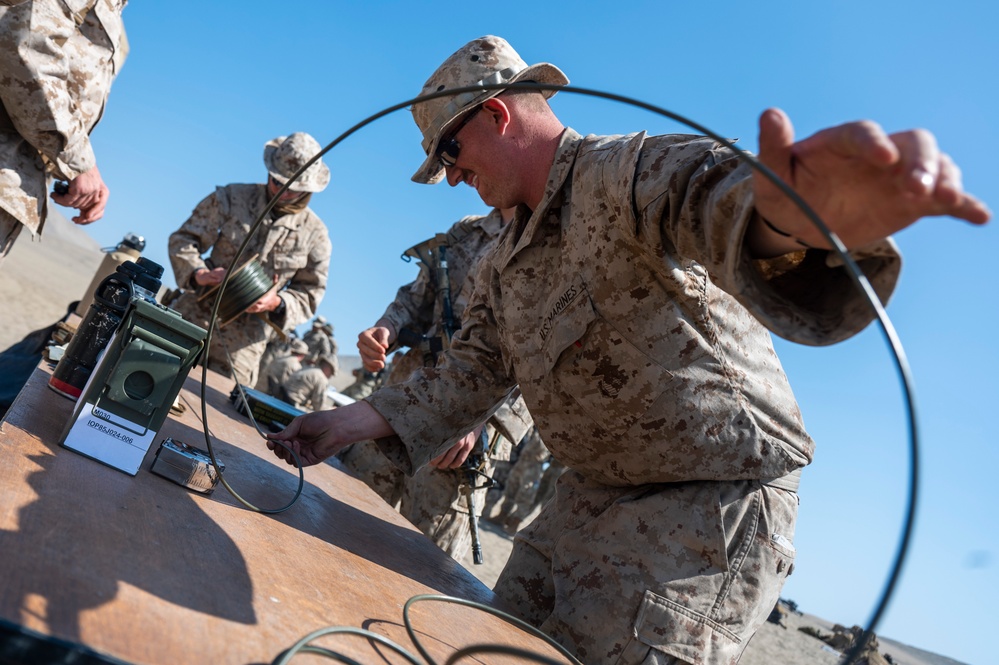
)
(208, 83)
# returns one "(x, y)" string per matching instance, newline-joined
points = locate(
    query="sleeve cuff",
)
(76, 159)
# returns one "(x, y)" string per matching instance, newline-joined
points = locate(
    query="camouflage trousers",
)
(431, 499)
(656, 574)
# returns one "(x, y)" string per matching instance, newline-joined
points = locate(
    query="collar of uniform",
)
(289, 220)
(565, 157)
(492, 223)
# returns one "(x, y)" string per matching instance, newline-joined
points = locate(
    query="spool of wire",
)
(246, 286)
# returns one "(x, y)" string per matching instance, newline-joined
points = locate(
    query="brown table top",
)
(146, 571)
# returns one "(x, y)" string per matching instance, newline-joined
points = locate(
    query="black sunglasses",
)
(448, 147)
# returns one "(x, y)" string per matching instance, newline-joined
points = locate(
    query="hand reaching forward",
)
(863, 183)
(310, 436)
(317, 435)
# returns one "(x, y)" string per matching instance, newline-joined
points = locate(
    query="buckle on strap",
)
(789, 482)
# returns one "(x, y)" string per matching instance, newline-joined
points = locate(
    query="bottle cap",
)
(134, 241)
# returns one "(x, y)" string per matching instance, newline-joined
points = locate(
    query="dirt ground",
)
(40, 278)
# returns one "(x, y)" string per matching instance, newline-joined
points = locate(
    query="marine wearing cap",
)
(296, 253)
(298, 347)
(284, 156)
(488, 60)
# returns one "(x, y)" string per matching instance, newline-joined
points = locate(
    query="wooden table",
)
(142, 570)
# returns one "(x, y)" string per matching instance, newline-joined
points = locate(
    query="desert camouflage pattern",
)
(294, 248)
(629, 312)
(306, 389)
(277, 348)
(331, 360)
(431, 499)
(320, 344)
(285, 155)
(416, 305)
(529, 484)
(276, 374)
(57, 63)
(489, 60)
(643, 574)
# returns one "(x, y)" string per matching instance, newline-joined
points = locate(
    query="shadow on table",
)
(57, 530)
(357, 527)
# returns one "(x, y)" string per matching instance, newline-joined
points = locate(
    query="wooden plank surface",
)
(147, 571)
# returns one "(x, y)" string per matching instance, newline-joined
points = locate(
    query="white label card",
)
(109, 439)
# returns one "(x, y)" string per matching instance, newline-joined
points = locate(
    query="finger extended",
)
(919, 161)
(776, 141)
(864, 140)
(949, 188)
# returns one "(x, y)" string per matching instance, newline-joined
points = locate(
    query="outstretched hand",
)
(318, 435)
(863, 183)
(310, 436)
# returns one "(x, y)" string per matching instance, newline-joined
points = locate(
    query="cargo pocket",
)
(664, 630)
(609, 377)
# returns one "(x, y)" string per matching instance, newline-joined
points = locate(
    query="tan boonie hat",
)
(319, 320)
(329, 360)
(298, 346)
(485, 61)
(284, 155)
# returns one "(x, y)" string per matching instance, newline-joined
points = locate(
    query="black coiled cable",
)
(851, 267)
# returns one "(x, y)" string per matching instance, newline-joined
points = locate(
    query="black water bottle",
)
(132, 279)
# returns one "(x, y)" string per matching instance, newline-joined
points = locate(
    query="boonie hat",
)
(488, 60)
(319, 321)
(298, 346)
(284, 155)
(329, 360)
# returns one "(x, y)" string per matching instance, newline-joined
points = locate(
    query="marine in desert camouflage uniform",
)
(277, 347)
(432, 498)
(306, 388)
(628, 299)
(365, 382)
(320, 341)
(292, 244)
(276, 373)
(57, 63)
